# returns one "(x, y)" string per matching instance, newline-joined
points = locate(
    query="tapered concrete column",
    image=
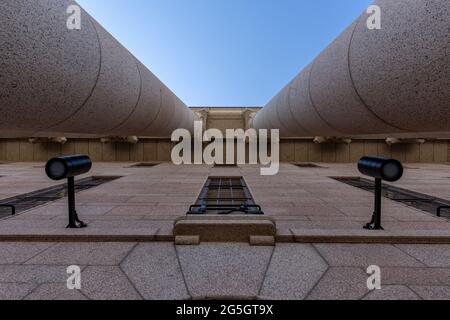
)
(389, 81)
(56, 81)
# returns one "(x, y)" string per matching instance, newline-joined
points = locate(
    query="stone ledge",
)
(231, 228)
(262, 241)
(256, 232)
(372, 237)
(187, 240)
(78, 235)
(74, 238)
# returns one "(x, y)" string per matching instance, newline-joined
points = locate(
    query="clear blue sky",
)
(225, 52)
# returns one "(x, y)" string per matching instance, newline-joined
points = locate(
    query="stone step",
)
(255, 230)
(375, 237)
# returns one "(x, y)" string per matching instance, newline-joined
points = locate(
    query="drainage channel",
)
(144, 165)
(410, 198)
(225, 212)
(308, 165)
(37, 198)
(225, 195)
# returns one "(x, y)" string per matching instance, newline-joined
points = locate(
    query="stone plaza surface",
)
(161, 270)
(145, 202)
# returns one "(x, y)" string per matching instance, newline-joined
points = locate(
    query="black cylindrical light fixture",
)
(67, 167)
(390, 170)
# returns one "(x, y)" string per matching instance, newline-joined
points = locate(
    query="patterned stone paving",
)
(160, 270)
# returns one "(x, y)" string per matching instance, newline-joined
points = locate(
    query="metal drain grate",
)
(410, 198)
(225, 195)
(144, 165)
(308, 165)
(37, 198)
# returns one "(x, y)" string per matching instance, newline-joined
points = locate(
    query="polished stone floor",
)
(146, 201)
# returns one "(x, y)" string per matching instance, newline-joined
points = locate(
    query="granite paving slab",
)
(107, 283)
(293, 271)
(365, 255)
(221, 270)
(348, 283)
(55, 291)
(392, 293)
(154, 270)
(83, 254)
